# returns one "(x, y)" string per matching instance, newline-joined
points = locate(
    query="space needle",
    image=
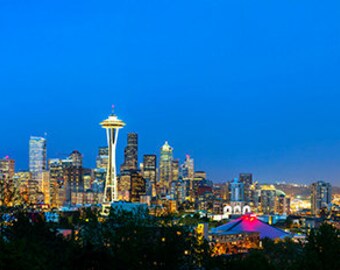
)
(112, 126)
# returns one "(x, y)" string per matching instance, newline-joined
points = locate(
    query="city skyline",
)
(182, 159)
(266, 85)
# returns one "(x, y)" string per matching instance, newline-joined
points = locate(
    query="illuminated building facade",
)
(267, 199)
(188, 170)
(236, 191)
(149, 171)
(21, 179)
(131, 186)
(165, 169)
(102, 158)
(7, 168)
(57, 184)
(6, 180)
(321, 196)
(76, 158)
(73, 178)
(112, 125)
(247, 180)
(37, 158)
(282, 203)
(99, 173)
(174, 170)
(229, 243)
(200, 174)
(124, 186)
(178, 191)
(138, 186)
(87, 178)
(46, 187)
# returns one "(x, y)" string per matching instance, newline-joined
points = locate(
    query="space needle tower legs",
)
(112, 125)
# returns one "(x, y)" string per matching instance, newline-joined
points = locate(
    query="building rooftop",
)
(250, 223)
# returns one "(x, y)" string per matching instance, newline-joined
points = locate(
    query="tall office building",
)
(178, 191)
(200, 174)
(267, 199)
(66, 180)
(112, 125)
(57, 183)
(150, 171)
(175, 170)
(7, 168)
(247, 180)
(102, 158)
(130, 153)
(321, 196)
(188, 171)
(73, 178)
(138, 186)
(165, 169)
(77, 158)
(99, 172)
(236, 191)
(37, 159)
(6, 180)
(46, 187)
(282, 204)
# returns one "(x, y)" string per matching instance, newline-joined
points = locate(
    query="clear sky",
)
(242, 86)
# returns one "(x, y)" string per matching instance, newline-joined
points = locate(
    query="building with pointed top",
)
(165, 169)
(130, 153)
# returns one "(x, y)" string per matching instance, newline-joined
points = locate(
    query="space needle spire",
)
(112, 125)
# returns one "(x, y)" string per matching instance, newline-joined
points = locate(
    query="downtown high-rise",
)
(130, 153)
(37, 159)
(150, 171)
(188, 170)
(165, 168)
(321, 196)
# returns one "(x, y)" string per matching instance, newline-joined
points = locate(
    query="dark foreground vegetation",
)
(139, 241)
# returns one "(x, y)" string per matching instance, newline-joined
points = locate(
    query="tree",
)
(322, 249)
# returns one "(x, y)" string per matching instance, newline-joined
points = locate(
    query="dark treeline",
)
(138, 241)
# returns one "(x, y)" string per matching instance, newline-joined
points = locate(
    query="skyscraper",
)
(73, 178)
(267, 199)
(102, 158)
(131, 153)
(150, 171)
(112, 126)
(37, 159)
(7, 168)
(321, 196)
(282, 203)
(6, 180)
(77, 158)
(138, 186)
(175, 170)
(247, 180)
(165, 169)
(100, 171)
(57, 183)
(188, 171)
(236, 191)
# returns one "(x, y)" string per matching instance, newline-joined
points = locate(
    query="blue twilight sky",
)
(242, 86)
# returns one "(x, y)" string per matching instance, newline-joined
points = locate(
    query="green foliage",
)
(322, 249)
(135, 240)
(123, 240)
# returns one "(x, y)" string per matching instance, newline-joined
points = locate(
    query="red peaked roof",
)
(249, 223)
